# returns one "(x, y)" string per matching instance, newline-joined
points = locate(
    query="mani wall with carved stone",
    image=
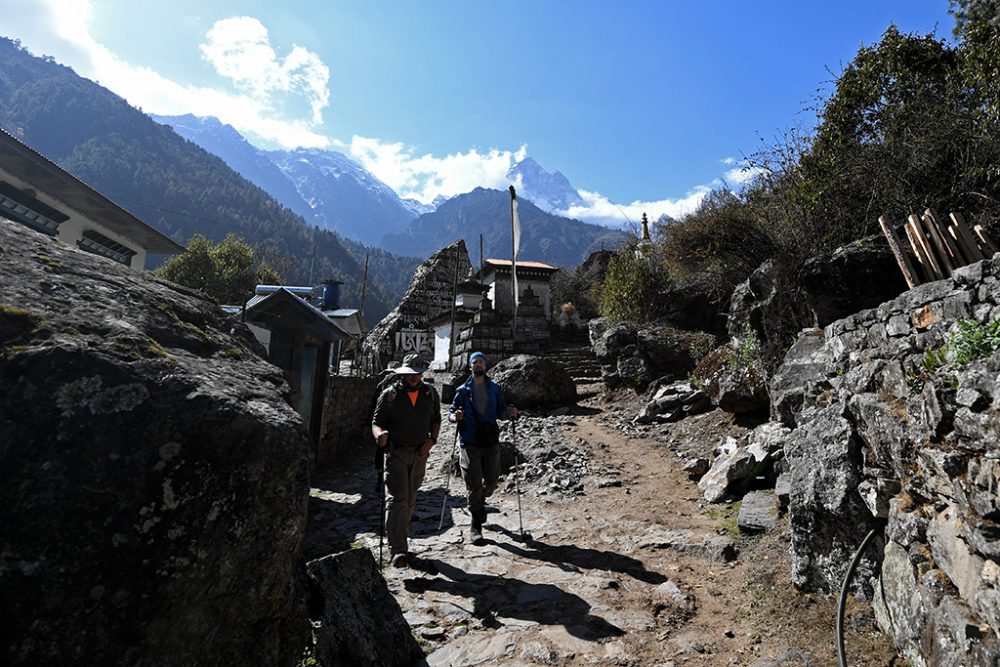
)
(407, 328)
(889, 434)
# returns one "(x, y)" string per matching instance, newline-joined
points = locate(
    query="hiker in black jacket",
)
(406, 425)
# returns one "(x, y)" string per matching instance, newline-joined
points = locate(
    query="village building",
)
(300, 340)
(482, 307)
(40, 194)
(469, 296)
(532, 277)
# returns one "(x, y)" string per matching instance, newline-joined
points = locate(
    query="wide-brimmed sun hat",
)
(412, 363)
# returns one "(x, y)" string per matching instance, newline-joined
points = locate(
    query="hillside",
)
(544, 237)
(325, 187)
(174, 185)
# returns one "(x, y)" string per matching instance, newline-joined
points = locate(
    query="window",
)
(99, 244)
(22, 206)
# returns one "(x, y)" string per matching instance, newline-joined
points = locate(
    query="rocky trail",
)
(621, 563)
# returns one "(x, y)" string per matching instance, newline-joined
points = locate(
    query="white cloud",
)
(424, 177)
(728, 160)
(62, 30)
(742, 174)
(600, 210)
(239, 49)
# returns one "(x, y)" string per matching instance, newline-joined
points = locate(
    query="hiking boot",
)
(476, 531)
(399, 560)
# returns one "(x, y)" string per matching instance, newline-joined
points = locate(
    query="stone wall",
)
(347, 418)
(887, 436)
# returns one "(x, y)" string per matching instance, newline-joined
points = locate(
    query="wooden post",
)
(513, 270)
(361, 315)
(938, 243)
(964, 233)
(931, 217)
(918, 252)
(913, 223)
(984, 237)
(909, 274)
(965, 252)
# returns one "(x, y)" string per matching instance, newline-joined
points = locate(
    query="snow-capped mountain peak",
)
(549, 191)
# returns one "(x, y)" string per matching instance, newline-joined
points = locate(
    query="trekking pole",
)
(447, 484)
(380, 484)
(517, 483)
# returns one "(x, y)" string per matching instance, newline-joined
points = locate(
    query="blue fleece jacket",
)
(495, 409)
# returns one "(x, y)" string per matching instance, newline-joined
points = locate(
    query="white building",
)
(536, 275)
(40, 194)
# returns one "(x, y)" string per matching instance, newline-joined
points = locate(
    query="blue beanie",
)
(476, 355)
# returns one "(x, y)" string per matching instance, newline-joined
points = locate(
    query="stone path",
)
(621, 564)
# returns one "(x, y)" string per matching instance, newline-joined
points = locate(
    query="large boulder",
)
(693, 307)
(807, 361)
(634, 356)
(849, 280)
(785, 295)
(357, 620)
(752, 302)
(734, 378)
(530, 382)
(153, 478)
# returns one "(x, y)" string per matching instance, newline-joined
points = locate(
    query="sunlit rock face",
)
(153, 478)
(893, 432)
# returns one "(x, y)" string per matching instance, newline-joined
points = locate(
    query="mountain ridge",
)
(171, 183)
(544, 237)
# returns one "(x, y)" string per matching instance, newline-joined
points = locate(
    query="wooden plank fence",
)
(938, 247)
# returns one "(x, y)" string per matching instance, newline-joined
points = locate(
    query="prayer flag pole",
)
(515, 242)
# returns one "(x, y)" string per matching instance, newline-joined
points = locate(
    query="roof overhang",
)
(504, 265)
(46, 176)
(283, 310)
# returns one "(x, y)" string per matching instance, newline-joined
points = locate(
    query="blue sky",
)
(641, 104)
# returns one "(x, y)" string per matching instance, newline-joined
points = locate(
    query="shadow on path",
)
(493, 596)
(569, 557)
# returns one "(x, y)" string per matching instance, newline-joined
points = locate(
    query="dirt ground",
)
(588, 583)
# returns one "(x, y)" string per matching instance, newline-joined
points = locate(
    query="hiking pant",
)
(404, 471)
(480, 470)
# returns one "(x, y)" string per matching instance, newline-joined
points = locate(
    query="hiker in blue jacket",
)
(477, 406)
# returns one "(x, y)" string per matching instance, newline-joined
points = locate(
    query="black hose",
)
(843, 596)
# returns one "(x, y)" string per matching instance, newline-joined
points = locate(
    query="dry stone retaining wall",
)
(887, 437)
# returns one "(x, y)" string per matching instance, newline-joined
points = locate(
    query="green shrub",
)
(630, 287)
(746, 350)
(972, 341)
